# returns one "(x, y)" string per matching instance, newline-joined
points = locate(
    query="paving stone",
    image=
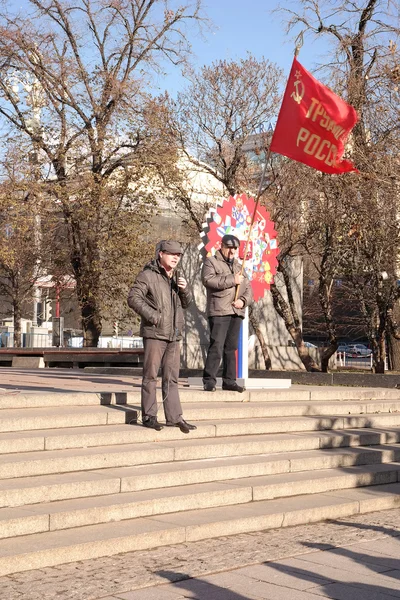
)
(219, 587)
(339, 591)
(303, 571)
(389, 547)
(158, 593)
(284, 576)
(347, 560)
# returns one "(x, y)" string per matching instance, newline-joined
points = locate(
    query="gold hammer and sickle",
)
(298, 95)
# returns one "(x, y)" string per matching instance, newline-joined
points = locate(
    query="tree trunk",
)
(393, 343)
(379, 366)
(260, 337)
(87, 278)
(379, 355)
(325, 299)
(91, 324)
(17, 315)
(87, 294)
(292, 324)
(304, 355)
(326, 355)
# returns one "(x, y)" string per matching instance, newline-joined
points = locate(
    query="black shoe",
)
(233, 387)
(209, 387)
(183, 425)
(152, 423)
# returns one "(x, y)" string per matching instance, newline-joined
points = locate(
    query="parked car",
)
(359, 350)
(343, 348)
(310, 345)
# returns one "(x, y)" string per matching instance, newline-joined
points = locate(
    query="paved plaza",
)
(355, 558)
(63, 380)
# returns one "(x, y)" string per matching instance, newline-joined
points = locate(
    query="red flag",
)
(313, 124)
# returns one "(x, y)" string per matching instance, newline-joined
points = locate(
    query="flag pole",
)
(253, 216)
(243, 359)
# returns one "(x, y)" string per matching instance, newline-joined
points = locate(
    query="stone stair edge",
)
(392, 405)
(22, 554)
(200, 412)
(45, 440)
(34, 399)
(46, 398)
(65, 417)
(297, 460)
(71, 513)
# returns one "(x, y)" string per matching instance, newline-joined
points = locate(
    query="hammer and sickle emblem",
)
(299, 93)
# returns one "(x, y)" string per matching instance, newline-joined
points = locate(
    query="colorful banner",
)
(313, 124)
(234, 216)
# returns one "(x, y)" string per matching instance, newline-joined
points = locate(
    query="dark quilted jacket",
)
(159, 302)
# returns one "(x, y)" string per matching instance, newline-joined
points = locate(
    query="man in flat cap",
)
(221, 275)
(158, 295)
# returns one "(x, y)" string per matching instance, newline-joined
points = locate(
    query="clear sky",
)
(241, 26)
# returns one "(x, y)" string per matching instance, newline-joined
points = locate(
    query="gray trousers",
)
(167, 355)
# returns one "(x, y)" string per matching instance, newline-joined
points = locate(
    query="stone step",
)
(41, 488)
(301, 424)
(25, 419)
(107, 435)
(257, 410)
(253, 416)
(63, 461)
(35, 400)
(39, 550)
(199, 471)
(92, 436)
(24, 464)
(31, 464)
(48, 488)
(295, 394)
(67, 514)
(282, 442)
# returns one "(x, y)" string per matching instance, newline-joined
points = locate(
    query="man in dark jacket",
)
(158, 295)
(221, 275)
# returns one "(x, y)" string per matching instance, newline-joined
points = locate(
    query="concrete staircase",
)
(80, 479)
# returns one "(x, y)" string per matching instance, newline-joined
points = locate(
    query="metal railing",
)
(45, 340)
(28, 340)
(120, 342)
(350, 360)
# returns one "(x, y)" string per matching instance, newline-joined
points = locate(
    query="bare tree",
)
(363, 69)
(287, 205)
(326, 245)
(219, 122)
(222, 115)
(73, 80)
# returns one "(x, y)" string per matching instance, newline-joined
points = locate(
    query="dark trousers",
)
(224, 340)
(167, 355)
